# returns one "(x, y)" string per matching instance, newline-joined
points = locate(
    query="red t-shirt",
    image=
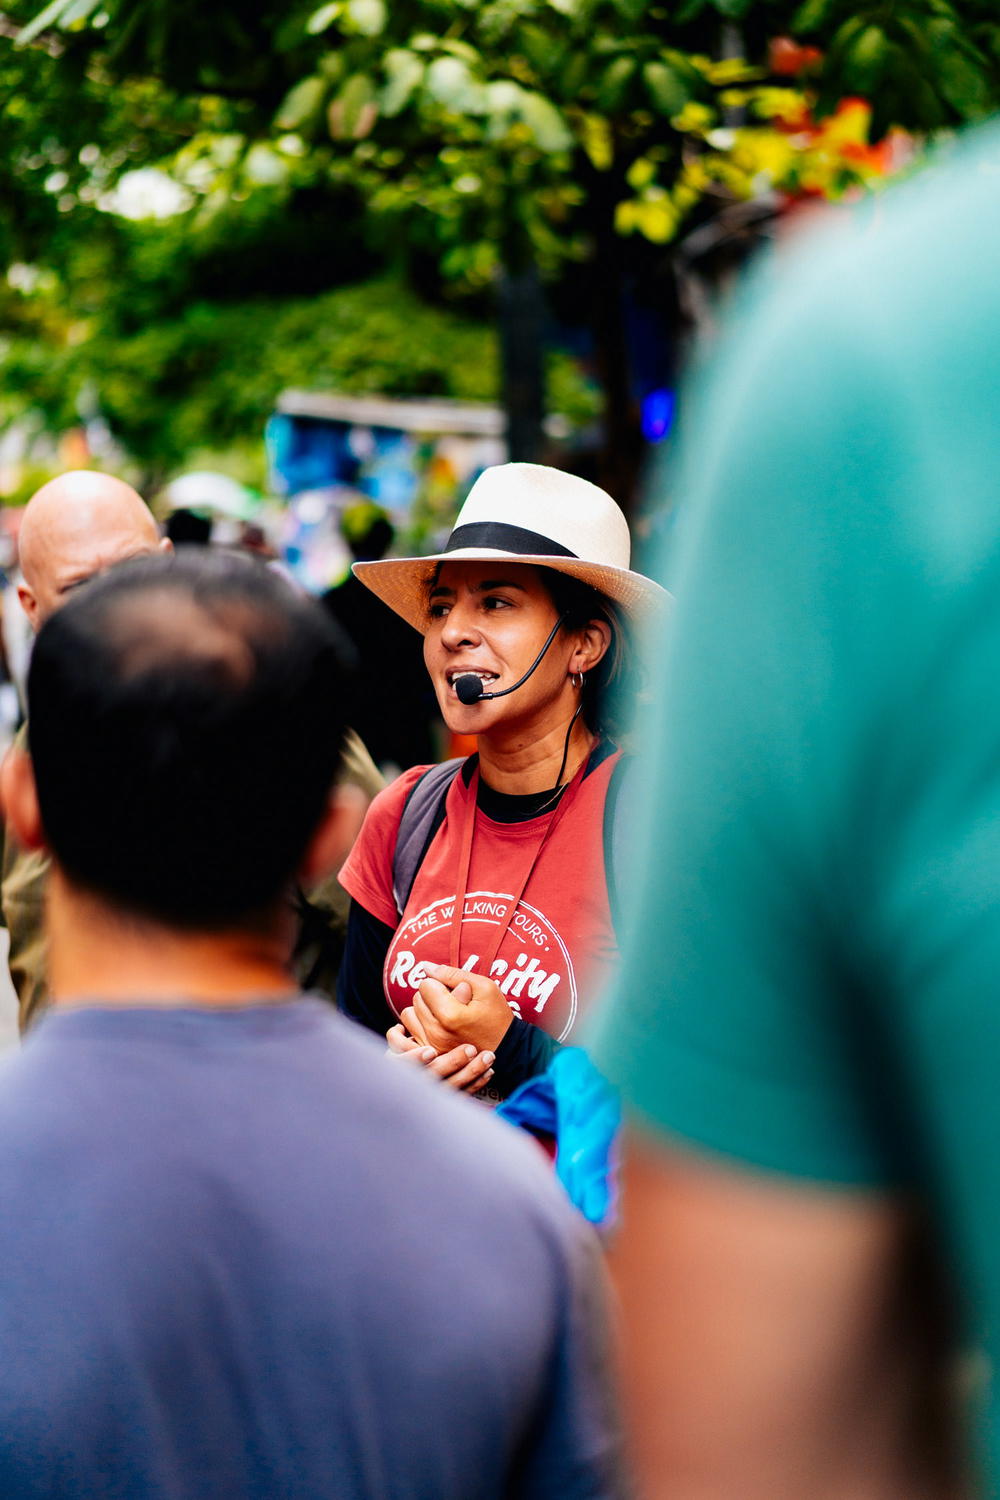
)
(560, 944)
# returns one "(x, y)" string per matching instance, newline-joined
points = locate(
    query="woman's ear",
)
(19, 800)
(594, 640)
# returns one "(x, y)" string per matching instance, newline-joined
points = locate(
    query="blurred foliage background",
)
(201, 204)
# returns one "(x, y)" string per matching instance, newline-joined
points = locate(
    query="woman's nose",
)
(459, 628)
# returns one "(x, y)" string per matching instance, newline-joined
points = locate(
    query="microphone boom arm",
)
(469, 694)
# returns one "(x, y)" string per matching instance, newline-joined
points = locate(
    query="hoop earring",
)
(577, 680)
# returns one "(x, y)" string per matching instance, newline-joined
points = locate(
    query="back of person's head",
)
(186, 718)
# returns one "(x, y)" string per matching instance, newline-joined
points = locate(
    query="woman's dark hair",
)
(186, 717)
(609, 689)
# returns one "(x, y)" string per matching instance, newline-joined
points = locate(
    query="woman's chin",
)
(463, 718)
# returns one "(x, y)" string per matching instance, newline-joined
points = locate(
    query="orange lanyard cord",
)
(465, 862)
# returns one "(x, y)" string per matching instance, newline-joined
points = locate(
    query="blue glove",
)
(574, 1103)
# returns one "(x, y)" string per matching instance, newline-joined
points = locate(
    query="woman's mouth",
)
(486, 678)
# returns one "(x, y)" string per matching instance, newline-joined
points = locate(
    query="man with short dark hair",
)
(244, 1255)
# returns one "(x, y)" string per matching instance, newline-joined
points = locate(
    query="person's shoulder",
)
(605, 757)
(455, 1140)
(367, 872)
(387, 806)
(405, 1150)
(857, 341)
(948, 212)
(31, 1099)
(907, 260)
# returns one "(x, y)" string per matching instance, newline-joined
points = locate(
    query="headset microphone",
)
(469, 687)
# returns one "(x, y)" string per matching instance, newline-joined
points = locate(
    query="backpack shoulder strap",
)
(422, 816)
(620, 824)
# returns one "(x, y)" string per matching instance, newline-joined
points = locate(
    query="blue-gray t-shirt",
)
(242, 1254)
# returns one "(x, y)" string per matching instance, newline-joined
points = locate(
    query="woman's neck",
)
(518, 766)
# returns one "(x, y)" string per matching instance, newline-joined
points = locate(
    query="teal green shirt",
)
(813, 980)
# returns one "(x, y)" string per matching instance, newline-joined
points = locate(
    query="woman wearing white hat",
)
(482, 953)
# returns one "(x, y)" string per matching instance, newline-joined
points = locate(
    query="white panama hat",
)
(526, 513)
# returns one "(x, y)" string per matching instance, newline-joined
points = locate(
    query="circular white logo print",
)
(533, 968)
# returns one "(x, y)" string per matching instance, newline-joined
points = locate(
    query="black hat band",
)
(503, 538)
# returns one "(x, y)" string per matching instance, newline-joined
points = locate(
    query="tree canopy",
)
(459, 140)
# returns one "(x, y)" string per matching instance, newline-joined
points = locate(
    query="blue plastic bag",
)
(574, 1103)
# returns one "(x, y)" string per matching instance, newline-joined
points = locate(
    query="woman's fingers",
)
(412, 1025)
(458, 984)
(441, 1024)
(398, 1041)
(444, 1005)
(445, 974)
(402, 1045)
(463, 1068)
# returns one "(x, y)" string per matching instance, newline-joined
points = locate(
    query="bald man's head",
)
(73, 528)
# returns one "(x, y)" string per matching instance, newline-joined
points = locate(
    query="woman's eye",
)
(438, 611)
(494, 601)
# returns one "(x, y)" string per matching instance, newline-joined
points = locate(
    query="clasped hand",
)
(454, 1026)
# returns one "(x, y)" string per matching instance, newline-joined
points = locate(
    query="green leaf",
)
(632, 10)
(368, 16)
(964, 85)
(503, 96)
(654, 216)
(573, 75)
(332, 66)
(322, 18)
(641, 174)
(811, 16)
(667, 90)
(264, 166)
(733, 70)
(351, 105)
(456, 48)
(545, 123)
(843, 38)
(598, 141)
(566, 7)
(302, 104)
(615, 82)
(450, 82)
(540, 48)
(404, 73)
(866, 60)
(735, 10)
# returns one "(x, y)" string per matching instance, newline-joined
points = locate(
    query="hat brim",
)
(402, 582)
